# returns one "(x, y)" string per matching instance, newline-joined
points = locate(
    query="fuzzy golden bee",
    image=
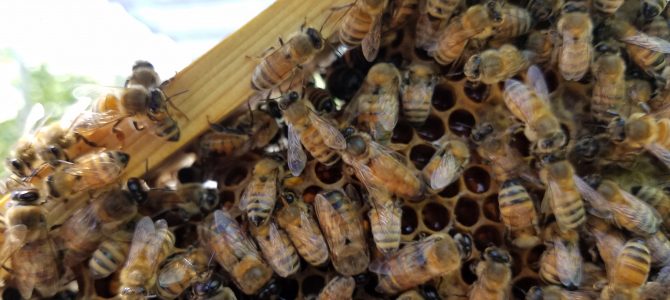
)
(516, 21)
(543, 10)
(495, 65)
(338, 288)
(376, 107)
(561, 264)
(540, 44)
(277, 249)
(111, 253)
(152, 243)
(277, 66)
(646, 51)
(417, 263)
(89, 171)
(655, 197)
(434, 15)
(384, 216)
(306, 128)
(494, 274)
(609, 241)
(447, 164)
(609, 90)
(376, 166)
(418, 84)
(576, 49)
(295, 218)
(652, 8)
(180, 271)
(362, 25)
(188, 200)
(249, 132)
(628, 211)
(341, 225)
(235, 252)
(629, 272)
(518, 213)
(260, 195)
(563, 196)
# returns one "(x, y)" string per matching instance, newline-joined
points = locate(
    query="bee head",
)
(497, 255)
(17, 166)
(639, 129)
(26, 196)
(356, 145)
(142, 64)
(471, 68)
(481, 132)
(535, 293)
(493, 7)
(617, 129)
(137, 189)
(209, 199)
(315, 38)
(122, 157)
(288, 99)
(327, 106)
(155, 101)
(552, 142)
(649, 11)
(289, 196)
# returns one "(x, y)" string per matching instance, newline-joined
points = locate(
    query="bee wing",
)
(446, 172)
(246, 196)
(635, 206)
(537, 81)
(276, 240)
(648, 42)
(351, 109)
(332, 137)
(389, 218)
(568, 263)
(89, 121)
(389, 106)
(145, 230)
(372, 40)
(92, 92)
(331, 223)
(14, 239)
(660, 152)
(308, 233)
(97, 168)
(513, 101)
(296, 155)
(176, 273)
(232, 233)
(35, 120)
(599, 205)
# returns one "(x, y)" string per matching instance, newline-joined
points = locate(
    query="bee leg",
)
(86, 141)
(265, 53)
(137, 126)
(281, 42)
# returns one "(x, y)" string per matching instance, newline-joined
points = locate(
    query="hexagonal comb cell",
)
(431, 130)
(461, 122)
(409, 221)
(435, 216)
(443, 97)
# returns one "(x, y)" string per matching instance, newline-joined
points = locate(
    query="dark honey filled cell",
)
(309, 193)
(487, 235)
(533, 257)
(520, 143)
(235, 176)
(186, 235)
(477, 180)
(409, 220)
(103, 288)
(517, 263)
(328, 174)
(312, 285)
(435, 216)
(552, 80)
(190, 174)
(521, 286)
(467, 212)
(477, 92)
(467, 271)
(432, 129)
(420, 155)
(344, 82)
(402, 133)
(443, 97)
(288, 288)
(451, 190)
(461, 122)
(491, 208)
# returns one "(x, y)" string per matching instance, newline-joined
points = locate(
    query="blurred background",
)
(48, 48)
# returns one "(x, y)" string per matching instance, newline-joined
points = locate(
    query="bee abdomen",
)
(633, 264)
(354, 28)
(516, 207)
(571, 214)
(107, 258)
(314, 143)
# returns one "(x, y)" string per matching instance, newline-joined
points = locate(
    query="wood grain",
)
(219, 81)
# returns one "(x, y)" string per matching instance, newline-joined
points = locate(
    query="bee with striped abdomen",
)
(433, 17)
(276, 248)
(576, 50)
(294, 217)
(518, 213)
(180, 271)
(362, 25)
(629, 272)
(260, 194)
(418, 84)
(338, 288)
(494, 274)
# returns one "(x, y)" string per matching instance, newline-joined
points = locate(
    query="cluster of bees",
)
(581, 120)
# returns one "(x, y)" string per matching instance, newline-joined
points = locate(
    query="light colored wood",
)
(220, 81)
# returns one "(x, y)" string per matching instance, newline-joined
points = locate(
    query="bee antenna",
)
(645, 107)
(169, 102)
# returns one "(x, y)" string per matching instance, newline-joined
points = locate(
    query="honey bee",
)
(607, 6)
(281, 63)
(659, 247)
(495, 65)
(657, 27)
(52, 141)
(609, 90)
(302, 229)
(640, 132)
(433, 17)
(653, 8)
(143, 74)
(646, 51)
(494, 274)
(35, 265)
(477, 21)
(235, 252)
(341, 225)
(518, 213)
(402, 12)
(562, 196)
(180, 271)
(516, 21)
(377, 168)
(277, 249)
(533, 108)
(540, 44)
(557, 293)
(338, 288)
(447, 164)
(23, 158)
(211, 289)
(260, 195)
(385, 224)
(608, 240)
(506, 162)
(561, 263)
(188, 200)
(418, 84)
(82, 233)
(376, 106)
(321, 100)
(362, 25)
(151, 244)
(111, 253)
(628, 211)
(89, 171)
(543, 10)
(575, 52)
(639, 92)
(655, 197)
(306, 128)
(237, 140)
(629, 272)
(416, 263)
